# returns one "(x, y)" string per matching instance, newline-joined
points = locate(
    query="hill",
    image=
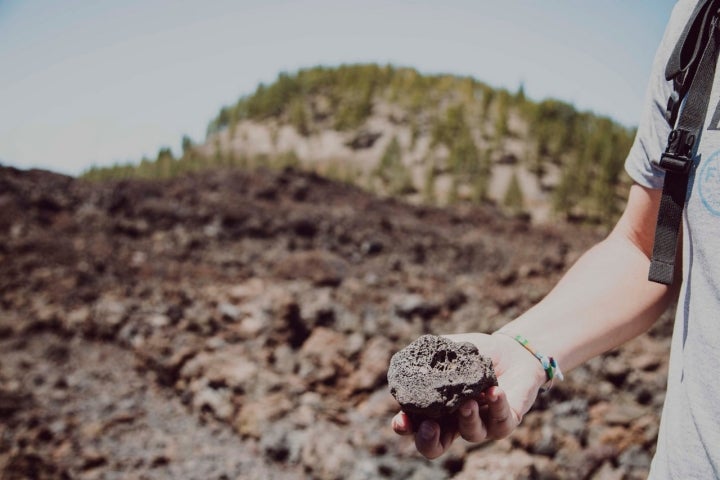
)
(431, 139)
(238, 324)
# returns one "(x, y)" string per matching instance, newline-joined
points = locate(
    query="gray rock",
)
(432, 376)
(635, 457)
(406, 306)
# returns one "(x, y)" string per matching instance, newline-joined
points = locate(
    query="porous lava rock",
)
(433, 375)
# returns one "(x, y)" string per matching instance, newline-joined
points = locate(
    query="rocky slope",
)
(354, 156)
(239, 325)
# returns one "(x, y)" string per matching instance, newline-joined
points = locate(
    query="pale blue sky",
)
(99, 82)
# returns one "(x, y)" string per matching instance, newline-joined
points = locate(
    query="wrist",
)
(531, 364)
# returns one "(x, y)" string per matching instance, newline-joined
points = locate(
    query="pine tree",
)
(299, 117)
(429, 192)
(164, 165)
(480, 180)
(502, 116)
(187, 145)
(514, 199)
(520, 95)
(393, 172)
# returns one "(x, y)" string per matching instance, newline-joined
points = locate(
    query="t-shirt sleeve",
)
(653, 130)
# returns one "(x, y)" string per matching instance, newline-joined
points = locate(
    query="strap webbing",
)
(678, 156)
(662, 265)
(690, 43)
(685, 57)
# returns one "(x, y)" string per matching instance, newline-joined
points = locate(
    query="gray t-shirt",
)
(689, 439)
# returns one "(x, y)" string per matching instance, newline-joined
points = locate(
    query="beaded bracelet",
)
(549, 364)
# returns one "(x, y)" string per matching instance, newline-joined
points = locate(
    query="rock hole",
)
(439, 358)
(442, 359)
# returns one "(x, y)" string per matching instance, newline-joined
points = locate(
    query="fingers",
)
(493, 420)
(470, 425)
(401, 424)
(499, 418)
(432, 441)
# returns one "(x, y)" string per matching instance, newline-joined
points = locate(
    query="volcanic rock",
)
(431, 376)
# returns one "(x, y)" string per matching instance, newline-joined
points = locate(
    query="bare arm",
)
(604, 300)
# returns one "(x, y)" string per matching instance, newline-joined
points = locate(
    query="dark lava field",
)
(239, 325)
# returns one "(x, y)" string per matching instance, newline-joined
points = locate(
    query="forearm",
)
(604, 300)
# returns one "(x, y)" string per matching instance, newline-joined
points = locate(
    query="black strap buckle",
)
(677, 156)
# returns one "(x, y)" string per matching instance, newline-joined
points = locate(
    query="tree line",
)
(471, 120)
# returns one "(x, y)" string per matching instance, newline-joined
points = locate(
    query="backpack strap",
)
(693, 77)
(685, 57)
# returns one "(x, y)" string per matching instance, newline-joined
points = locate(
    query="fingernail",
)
(427, 432)
(466, 411)
(492, 395)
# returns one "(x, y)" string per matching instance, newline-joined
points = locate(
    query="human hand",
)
(496, 412)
